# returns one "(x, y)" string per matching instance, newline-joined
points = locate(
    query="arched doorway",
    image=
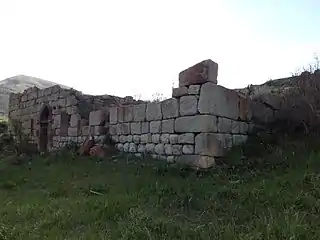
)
(45, 118)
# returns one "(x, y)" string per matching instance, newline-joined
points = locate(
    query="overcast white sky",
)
(129, 47)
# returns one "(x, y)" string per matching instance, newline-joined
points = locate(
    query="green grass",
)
(271, 191)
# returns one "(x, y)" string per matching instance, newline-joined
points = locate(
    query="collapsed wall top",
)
(202, 72)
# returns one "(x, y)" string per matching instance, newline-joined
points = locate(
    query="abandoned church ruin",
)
(199, 123)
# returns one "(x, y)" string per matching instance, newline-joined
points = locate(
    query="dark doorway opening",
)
(44, 128)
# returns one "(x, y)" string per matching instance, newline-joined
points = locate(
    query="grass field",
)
(269, 192)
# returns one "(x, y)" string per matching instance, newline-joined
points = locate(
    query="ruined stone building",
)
(4, 102)
(199, 123)
(54, 116)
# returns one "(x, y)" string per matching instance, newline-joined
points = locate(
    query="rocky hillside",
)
(19, 84)
(274, 92)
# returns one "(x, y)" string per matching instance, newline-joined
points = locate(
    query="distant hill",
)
(19, 84)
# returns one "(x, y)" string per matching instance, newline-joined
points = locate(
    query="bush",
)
(19, 143)
(6, 139)
(300, 106)
(295, 101)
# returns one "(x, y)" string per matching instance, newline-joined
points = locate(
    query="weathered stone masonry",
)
(54, 117)
(201, 121)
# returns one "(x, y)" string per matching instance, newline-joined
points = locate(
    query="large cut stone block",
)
(168, 149)
(53, 98)
(47, 91)
(56, 89)
(205, 71)
(224, 125)
(218, 101)
(194, 90)
(165, 138)
(170, 108)
(113, 129)
(123, 138)
(125, 128)
(146, 138)
(188, 149)
(120, 114)
(119, 146)
(167, 126)
(196, 161)
(186, 138)
(75, 120)
(173, 149)
(226, 140)
(73, 132)
(153, 111)
(139, 112)
(100, 130)
(132, 148)
(198, 123)
(126, 147)
(115, 138)
(212, 144)
(128, 113)
(235, 127)
(176, 150)
(56, 121)
(155, 138)
(97, 118)
(159, 149)
(61, 103)
(113, 115)
(145, 127)
(72, 110)
(180, 91)
(188, 105)
(141, 148)
(119, 128)
(155, 127)
(173, 138)
(150, 147)
(136, 128)
(136, 138)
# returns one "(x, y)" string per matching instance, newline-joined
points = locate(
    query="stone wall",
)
(201, 121)
(62, 115)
